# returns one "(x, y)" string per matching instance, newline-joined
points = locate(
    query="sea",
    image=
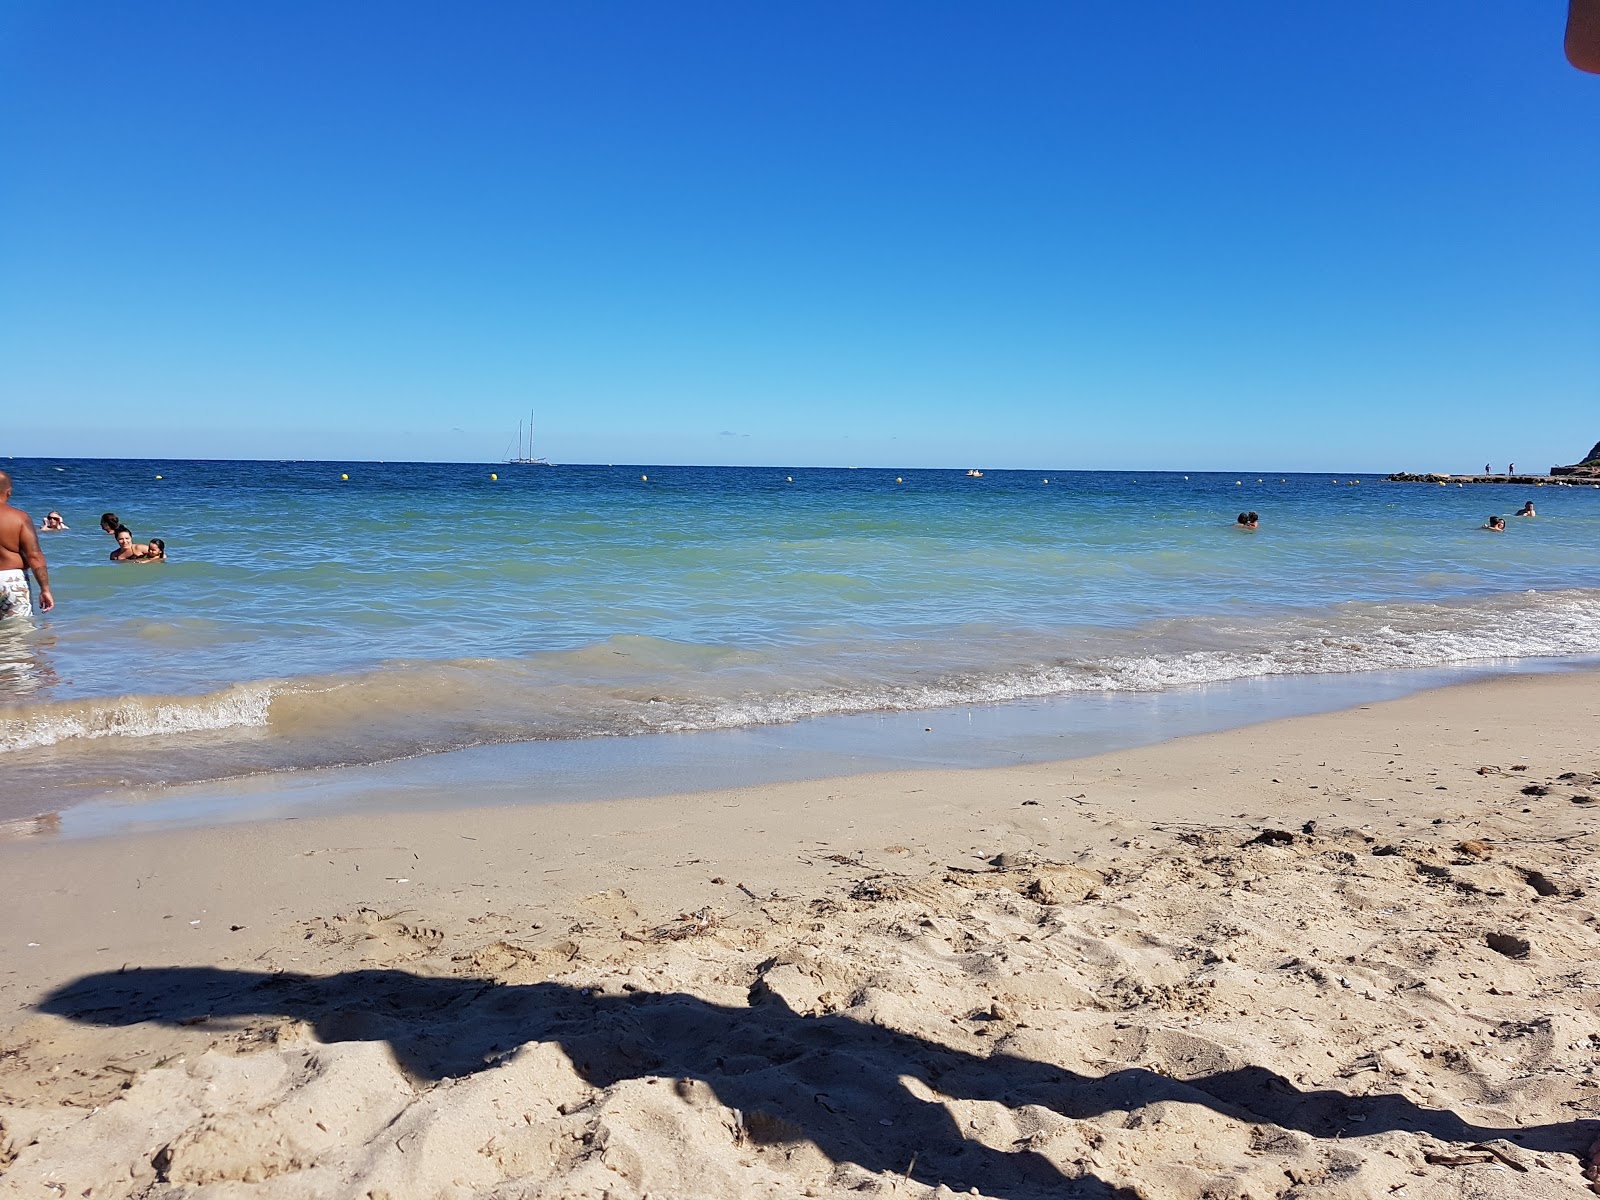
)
(319, 618)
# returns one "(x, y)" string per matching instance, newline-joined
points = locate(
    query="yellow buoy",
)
(158, 477)
(646, 478)
(493, 476)
(897, 479)
(1238, 483)
(346, 478)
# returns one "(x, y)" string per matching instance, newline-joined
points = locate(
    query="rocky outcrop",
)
(1589, 466)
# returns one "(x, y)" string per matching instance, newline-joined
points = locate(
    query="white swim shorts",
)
(15, 599)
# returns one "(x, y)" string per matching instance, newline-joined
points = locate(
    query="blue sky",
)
(1233, 235)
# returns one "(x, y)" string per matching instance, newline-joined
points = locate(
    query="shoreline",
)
(583, 770)
(1263, 952)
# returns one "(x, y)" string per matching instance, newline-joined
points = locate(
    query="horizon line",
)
(494, 463)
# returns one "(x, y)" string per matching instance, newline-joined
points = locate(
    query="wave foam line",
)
(445, 705)
(238, 707)
(1564, 628)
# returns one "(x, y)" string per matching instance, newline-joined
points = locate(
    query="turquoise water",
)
(304, 620)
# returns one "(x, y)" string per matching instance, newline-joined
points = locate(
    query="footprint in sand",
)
(388, 939)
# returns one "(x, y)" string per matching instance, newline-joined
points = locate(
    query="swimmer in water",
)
(109, 523)
(52, 523)
(158, 551)
(1247, 520)
(1527, 510)
(127, 549)
(1496, 525)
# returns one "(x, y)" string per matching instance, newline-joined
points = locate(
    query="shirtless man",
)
(20, 553)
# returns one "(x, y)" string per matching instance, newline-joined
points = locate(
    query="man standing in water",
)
(20, 553)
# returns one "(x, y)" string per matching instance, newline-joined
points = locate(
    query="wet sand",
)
(1349, 954)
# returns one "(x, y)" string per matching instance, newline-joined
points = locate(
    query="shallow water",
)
(307, 621)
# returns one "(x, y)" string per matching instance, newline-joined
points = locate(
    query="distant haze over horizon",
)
(669, 450)
(1040, 236)
(403, 449)
(646, 464)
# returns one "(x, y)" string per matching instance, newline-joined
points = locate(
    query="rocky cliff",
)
(1589, 466)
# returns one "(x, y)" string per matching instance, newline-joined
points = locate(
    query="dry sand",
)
(1350, 955)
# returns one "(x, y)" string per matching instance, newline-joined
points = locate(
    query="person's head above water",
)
(109, 522)
(158, 548)
(1496, 523)
(124, 537)
(1247, 520)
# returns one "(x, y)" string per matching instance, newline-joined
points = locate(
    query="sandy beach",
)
(1346, 955)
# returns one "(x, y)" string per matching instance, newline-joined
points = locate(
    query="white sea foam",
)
(1356, 638)
(635, 686)
(243, 706)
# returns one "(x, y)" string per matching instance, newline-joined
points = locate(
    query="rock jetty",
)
(1517, 480)
(1581, 474)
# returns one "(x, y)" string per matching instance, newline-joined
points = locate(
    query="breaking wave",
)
(635, 685)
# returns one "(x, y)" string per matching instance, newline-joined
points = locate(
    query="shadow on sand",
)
(836, 1079)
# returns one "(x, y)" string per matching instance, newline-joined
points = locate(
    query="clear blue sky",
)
(1236, 235)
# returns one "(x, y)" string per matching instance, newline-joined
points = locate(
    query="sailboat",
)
(528, 459)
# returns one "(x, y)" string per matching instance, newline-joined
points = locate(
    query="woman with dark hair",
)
(127, 549)
(1247, 520)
